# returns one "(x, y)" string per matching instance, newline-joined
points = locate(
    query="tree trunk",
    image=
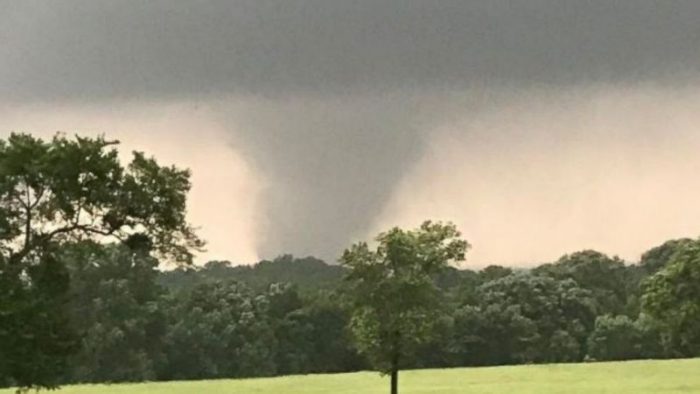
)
(395, 381)
(396, 354)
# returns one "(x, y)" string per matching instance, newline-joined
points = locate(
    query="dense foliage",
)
(393, 298)
(672, 297)
(137, 323)
(57, 193)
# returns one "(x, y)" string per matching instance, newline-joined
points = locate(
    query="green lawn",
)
(676, 376)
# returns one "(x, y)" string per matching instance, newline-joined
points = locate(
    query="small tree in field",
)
(395, 303)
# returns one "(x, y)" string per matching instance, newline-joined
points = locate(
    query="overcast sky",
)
(540, 127)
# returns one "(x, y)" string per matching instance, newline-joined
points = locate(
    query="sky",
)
(539, 127)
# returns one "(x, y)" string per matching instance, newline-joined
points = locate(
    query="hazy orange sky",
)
(539, 129)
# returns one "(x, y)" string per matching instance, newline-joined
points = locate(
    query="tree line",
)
(83, 298)
(134, 322)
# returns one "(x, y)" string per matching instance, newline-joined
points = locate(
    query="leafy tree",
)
(493, 272)
(650, 341)
(614, 338)
(219, 330)
(114, 301)
(621, 338)
(651, 262)
(562, 312)
(395, 301)
(672, 297)
(605, 277)
(331, 346)
(291, 330)
(311, 336)
(465, 293)
(36, 336)
(658, 257)
(495, 334)
(60, 191)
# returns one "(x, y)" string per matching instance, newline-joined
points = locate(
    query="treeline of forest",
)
(134, 322)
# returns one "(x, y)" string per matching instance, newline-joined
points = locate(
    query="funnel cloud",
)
(540, 127)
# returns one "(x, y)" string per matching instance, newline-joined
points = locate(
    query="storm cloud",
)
(126, 49)
(337, 105)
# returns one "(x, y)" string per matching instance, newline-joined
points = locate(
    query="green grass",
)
(672, 376)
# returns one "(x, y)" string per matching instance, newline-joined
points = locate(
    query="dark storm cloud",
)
(331, 99)
(106, 49)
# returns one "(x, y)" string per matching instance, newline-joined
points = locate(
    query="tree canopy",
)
(672, 296)
(62, 191)
(395, 301)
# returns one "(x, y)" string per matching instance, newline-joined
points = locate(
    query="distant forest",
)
(287, 316)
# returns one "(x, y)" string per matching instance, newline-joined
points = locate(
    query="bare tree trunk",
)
(395, 381)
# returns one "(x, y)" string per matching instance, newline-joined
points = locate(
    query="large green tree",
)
(219, 330)
(493, 334)
(57, 192)
(672, 297)
(395, 301)
(621, 338)
(561, 312)
(604, 276)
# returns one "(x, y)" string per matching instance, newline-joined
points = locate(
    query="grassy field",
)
(677, 376)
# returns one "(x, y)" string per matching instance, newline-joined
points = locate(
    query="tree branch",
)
(47, 237)
(81, 228)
